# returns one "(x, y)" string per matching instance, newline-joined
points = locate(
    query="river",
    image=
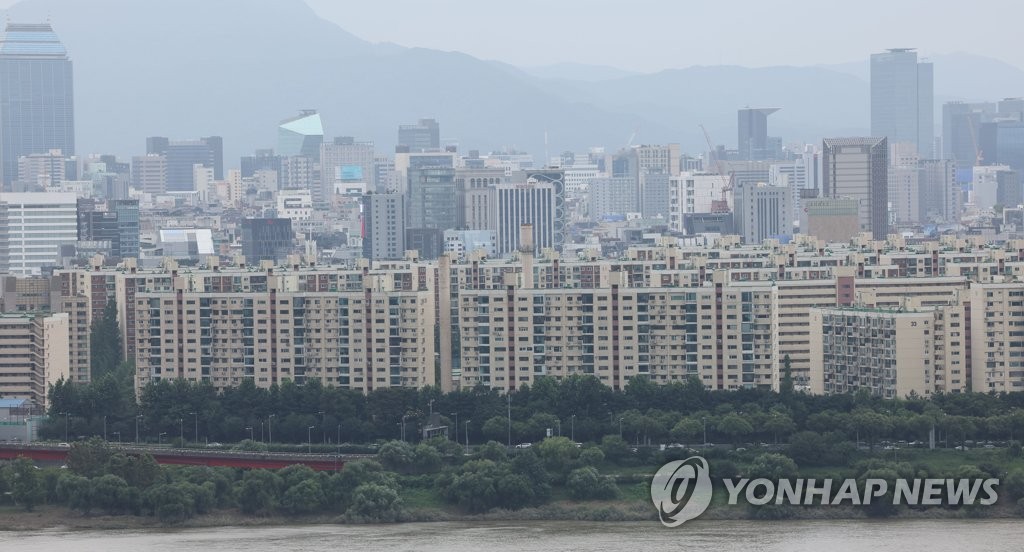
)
(542, 536)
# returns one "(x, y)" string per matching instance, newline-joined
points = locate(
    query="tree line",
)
(579, 407)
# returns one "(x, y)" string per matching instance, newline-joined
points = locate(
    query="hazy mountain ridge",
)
(236, 68)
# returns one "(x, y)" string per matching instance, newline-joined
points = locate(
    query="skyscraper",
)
(301, 135)
(422, 136)
(36, 95)
(752, 126)
(858, 168)
(183, 155)
(902, 99)
(961, 131)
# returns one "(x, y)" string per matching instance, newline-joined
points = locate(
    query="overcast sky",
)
(649, 35)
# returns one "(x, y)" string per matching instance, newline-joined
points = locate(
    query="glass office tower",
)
(36, 100)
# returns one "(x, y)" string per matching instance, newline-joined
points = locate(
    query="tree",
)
(306, 497)
(171, 503)
(557, 453)
(75, 491)
(396, 455)
(515, 491)
(376, 502)
(89, 458)
(773, 466)
(587, 483)
(591, 456)
(492, 450)
(26, 483)
(105, 343)
(496, 429)
(615, 448)
(110, 493)
(735, 426)
(807, 448)
(258, 492)
(687, 430)
(778, 423)
(786, 383)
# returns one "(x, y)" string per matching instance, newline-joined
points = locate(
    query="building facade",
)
(37, 111)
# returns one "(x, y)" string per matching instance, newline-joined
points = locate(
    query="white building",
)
(295, 204)
(578, 177)
(37, 225)
(459, 243)
(693, 192)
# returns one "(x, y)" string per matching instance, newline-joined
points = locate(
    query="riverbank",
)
(60, 518)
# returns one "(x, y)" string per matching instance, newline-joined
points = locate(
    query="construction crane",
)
(718, 205)
(979, 156)
(629, 143)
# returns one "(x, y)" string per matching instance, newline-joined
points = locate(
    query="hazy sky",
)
(648, 35)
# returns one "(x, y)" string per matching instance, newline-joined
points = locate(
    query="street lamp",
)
(620, 428)
(195, 416)
(181, 430)
(104, 427)
(339, 438)
(118, 433)
(309, 438)
(572, 427)
(323, 431)
(249, 429)
(270, 429)
(467, 436)
(404, 416)
(160, 438)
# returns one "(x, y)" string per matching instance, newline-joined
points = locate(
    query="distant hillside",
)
(193, 68)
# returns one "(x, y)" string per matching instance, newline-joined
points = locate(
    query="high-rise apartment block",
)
(384, 218)
(35, 354)
(725, 313)
(37, 112)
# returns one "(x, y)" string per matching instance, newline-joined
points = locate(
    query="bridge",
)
(52, 454)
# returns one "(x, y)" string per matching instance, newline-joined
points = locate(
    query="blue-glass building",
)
(37, 111)
(301, 135)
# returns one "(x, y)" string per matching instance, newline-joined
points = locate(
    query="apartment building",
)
(726, 313)
(891, 353)
(224, 328)
(35, 354)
